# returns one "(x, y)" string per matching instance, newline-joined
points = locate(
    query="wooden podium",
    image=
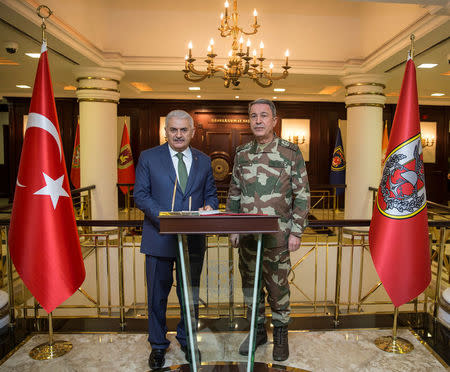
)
(215, 224)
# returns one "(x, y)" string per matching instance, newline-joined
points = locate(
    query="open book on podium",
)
(216, 222)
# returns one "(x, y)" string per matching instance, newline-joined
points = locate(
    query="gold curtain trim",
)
(361, 84)
(360, 93)
(97, 100)
(94, 88)
(97, 78)
(365, 104)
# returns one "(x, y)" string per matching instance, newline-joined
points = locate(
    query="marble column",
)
(364, 101)
(98, 95)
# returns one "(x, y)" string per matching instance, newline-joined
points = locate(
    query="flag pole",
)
(51, 349)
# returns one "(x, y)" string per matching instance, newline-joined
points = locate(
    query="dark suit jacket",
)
(153, 189)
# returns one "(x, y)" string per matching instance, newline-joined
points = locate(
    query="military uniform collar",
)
(271, 147)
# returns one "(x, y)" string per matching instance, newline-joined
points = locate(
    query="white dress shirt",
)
(187, 158)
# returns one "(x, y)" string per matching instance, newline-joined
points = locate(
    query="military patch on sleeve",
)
(245, 146)
(288, 144)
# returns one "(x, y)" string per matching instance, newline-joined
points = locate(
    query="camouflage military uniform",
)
(270, 180)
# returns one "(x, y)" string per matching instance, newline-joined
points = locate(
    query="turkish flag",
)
(43, 237)
(75, 168)
(398, 235)
(125, 165)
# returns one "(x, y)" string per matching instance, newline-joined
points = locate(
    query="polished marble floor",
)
(341, 350)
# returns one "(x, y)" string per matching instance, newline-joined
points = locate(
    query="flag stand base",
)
(50, 351)
(395, 345)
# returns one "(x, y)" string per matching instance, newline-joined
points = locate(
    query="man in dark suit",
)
(158, 170)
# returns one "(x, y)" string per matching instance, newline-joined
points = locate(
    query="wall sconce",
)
(428, 141)
(297, 138)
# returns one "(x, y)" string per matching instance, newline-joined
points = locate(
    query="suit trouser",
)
(159, 272)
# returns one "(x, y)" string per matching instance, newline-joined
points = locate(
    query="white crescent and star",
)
(53, 188)
(36, 120)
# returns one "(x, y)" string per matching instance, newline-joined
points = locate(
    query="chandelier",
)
(240, 63)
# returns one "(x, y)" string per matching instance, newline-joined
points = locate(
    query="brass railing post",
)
(439, 271)
(89, 206)
(12, 313)
(121, 281)
(338, 278)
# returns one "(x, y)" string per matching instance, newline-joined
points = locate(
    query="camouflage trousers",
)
(276, 264)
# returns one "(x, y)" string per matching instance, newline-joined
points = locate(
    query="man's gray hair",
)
(264, 102)
(179, 114)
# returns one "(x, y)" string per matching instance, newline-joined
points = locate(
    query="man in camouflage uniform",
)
(269, 177)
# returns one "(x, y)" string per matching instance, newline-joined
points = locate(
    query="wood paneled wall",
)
(144, 130)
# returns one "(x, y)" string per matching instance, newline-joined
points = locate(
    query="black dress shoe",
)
(156, 359)
(187, 354)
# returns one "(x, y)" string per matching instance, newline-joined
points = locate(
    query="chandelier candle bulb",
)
(226, 9)
(287, 56)
(255, 14)
(254, 56)
(190, 49)
(271, 67)
(241, 43)
(261, 48)
(248, 47)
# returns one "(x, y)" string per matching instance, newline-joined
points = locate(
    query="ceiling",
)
(148, 40)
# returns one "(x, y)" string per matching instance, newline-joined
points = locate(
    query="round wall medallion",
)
(221, 168)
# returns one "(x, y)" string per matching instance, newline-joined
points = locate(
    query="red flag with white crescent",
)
(398, 235)
(125, 164)
(43, 236)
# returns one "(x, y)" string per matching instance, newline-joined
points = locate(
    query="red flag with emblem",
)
(398, 235)
(125, 165)
(75, 168)
(43, 237)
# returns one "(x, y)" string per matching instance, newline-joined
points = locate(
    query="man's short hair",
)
(264, 102)
(179, 114)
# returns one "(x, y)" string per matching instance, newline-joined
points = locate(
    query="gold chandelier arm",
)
(197, 72)
(258, 81)
(189, 78)
(225, 31)
(221, 69)
(255, 30)
(271, 77)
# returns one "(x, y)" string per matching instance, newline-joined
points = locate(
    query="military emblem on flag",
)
(403, 182)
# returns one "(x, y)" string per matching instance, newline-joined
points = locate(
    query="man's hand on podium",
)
(205, 208)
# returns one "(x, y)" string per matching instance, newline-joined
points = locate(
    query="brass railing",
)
(129, 210)
(82, 202)
(324, 202)
(332, 275)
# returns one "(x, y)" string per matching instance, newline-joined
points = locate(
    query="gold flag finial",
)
(411, 50)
